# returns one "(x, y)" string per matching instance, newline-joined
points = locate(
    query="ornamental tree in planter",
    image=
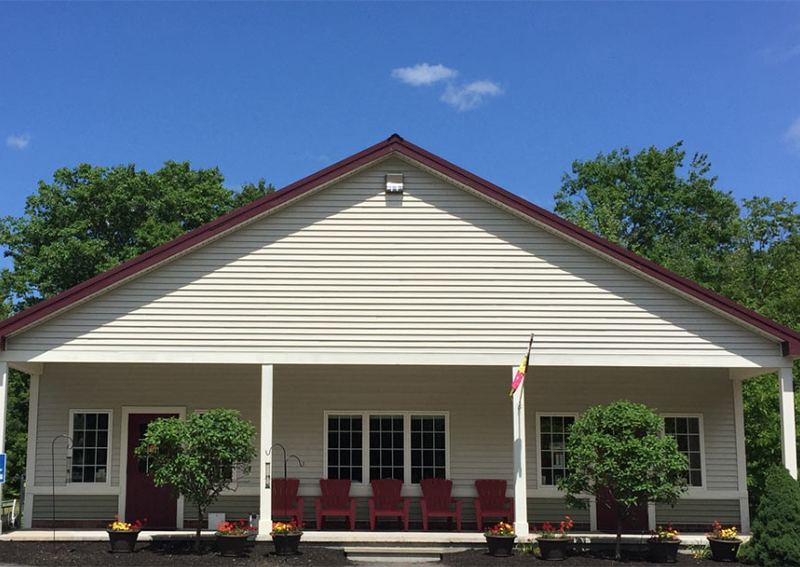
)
(617, 454)
(196, 457)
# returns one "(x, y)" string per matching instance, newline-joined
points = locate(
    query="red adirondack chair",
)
(436, 501)
(285, 502)
(491, 501)
(335, 501)
(386, 501)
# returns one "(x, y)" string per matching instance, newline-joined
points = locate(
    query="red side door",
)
(142, 498)
(607, 522)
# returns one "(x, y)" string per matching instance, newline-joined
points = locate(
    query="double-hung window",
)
(688, 432)
(553, 436)
(406, 446)
(90, 431)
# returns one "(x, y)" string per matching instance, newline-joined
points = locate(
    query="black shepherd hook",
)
(53, 462)
(285, 468)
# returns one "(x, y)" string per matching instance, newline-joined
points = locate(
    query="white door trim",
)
(123, 453)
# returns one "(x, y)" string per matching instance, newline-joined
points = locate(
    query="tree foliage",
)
(196, 457)
(617, 454)
(643, 203)
(88, 220)
(91, 219)
(749, 254)
(776, 527)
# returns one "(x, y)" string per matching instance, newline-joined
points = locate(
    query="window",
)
(91, 442)
(345, 442)
(428, 452)
(386, 453)
(553, 435)
(406, 446)
(687, 431)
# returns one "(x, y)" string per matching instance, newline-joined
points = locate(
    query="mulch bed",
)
(481, 557)
(169, 552)
(180, 552)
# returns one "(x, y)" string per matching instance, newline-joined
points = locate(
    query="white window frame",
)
(109, 448)
(365, 415)
(540, 486)
(699, 417)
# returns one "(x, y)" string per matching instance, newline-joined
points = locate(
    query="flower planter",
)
(553, 549)
(724, 549)
(501, 546)
(122, 541)
(231, 545)
(286, 544)
(664, 551)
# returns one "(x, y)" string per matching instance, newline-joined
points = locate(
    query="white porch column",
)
(741, 460)
(265, 508)
(3, 405)
(520, 463)
(30, 463)
(788, 431)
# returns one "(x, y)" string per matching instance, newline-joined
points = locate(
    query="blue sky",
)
(280, 90)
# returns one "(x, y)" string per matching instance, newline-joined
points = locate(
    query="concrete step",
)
(397, 554)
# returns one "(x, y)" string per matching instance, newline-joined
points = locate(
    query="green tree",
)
(250, 193)
(643, 203)
(196, 457)
(91, 219)
(88, 220)
(776, 527)
(684, 223)
(617, 454)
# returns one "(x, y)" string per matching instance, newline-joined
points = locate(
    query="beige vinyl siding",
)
(705, 392)
(233, 506)
(110, 387)
(700, 512)
(75, 507)
(553, 510)
(435, 270)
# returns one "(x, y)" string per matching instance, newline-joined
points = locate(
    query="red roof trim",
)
(791, 338)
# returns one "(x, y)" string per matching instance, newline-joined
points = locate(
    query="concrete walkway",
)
(334, 538)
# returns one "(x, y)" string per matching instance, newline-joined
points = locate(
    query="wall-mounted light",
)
(394, 182)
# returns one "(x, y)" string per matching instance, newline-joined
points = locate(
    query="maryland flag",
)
(523, 368)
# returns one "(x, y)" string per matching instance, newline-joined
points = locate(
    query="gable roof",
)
(394, 144)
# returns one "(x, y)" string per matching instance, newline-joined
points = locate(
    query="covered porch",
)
(312, 410)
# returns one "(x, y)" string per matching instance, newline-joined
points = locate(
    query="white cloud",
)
(18, 142)
(792, 135)
(423, 74)
(471, 95)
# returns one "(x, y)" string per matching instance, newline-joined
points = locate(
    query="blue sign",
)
(2, 468)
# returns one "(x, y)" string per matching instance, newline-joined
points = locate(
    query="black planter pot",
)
(286, 544)
(664, 551)
(724, 549)
(231, 545)
(501, 546)
(122, 542)
(553, 549)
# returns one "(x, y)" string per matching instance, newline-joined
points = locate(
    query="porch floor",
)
(334, 538)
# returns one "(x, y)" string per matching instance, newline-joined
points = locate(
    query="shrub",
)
(776, 528)
(617, 453)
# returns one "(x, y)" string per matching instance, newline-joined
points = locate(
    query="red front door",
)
(142, 498)
(636, 521)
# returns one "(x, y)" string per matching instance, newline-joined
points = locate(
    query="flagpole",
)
(520, 444)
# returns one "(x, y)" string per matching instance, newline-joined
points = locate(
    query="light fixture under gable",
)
(394, 182)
